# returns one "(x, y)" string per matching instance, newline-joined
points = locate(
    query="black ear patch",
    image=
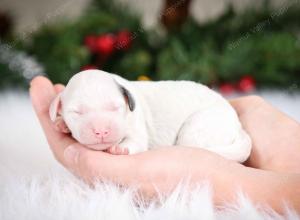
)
(128, 97)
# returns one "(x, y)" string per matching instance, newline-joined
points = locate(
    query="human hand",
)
(275, 136)
(162, 169)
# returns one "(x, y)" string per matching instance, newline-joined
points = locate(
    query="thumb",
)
(92, 166)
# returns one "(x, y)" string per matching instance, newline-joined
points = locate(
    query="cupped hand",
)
(162, 169)
(156, 169)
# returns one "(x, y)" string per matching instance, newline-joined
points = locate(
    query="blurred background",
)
(237, 47)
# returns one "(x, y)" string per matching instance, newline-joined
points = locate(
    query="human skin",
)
(271, 174)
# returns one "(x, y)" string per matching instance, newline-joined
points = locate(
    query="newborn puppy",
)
(104, 111)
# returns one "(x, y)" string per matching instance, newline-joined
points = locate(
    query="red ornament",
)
(90, 42)
(246, 84)
(226, 88)
(88, 67)
(105, 44)
(124, 40)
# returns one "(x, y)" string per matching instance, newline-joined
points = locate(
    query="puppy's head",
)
(95, 107)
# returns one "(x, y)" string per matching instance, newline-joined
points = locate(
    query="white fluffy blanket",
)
(34, 186)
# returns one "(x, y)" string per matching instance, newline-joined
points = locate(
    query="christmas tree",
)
(255, 48)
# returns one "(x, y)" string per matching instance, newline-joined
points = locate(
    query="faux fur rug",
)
(34, 186)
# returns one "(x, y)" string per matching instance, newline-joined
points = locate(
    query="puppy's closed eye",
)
(76, 112)
(79, 110)
(113, 106)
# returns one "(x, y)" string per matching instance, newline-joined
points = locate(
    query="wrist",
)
(270, 188)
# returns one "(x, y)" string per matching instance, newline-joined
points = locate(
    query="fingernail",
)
(71, 155)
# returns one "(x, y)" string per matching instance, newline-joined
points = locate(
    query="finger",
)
(245, 104)
(59, 88)
(42, 93)
(239, 104)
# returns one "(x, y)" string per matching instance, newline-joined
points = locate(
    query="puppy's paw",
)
(61, 126)
(117, 150)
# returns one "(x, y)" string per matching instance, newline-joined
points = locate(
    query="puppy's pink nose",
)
(101, 133)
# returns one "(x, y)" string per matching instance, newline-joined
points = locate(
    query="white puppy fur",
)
(103, 110)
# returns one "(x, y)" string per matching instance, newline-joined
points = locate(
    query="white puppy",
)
(106, 112)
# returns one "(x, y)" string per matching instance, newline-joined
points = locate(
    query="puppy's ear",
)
(55, 107)
(128, 97)
(122, 84)
(61, 126)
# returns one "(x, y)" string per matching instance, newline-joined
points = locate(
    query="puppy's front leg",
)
(117, 150)
(129, 146)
